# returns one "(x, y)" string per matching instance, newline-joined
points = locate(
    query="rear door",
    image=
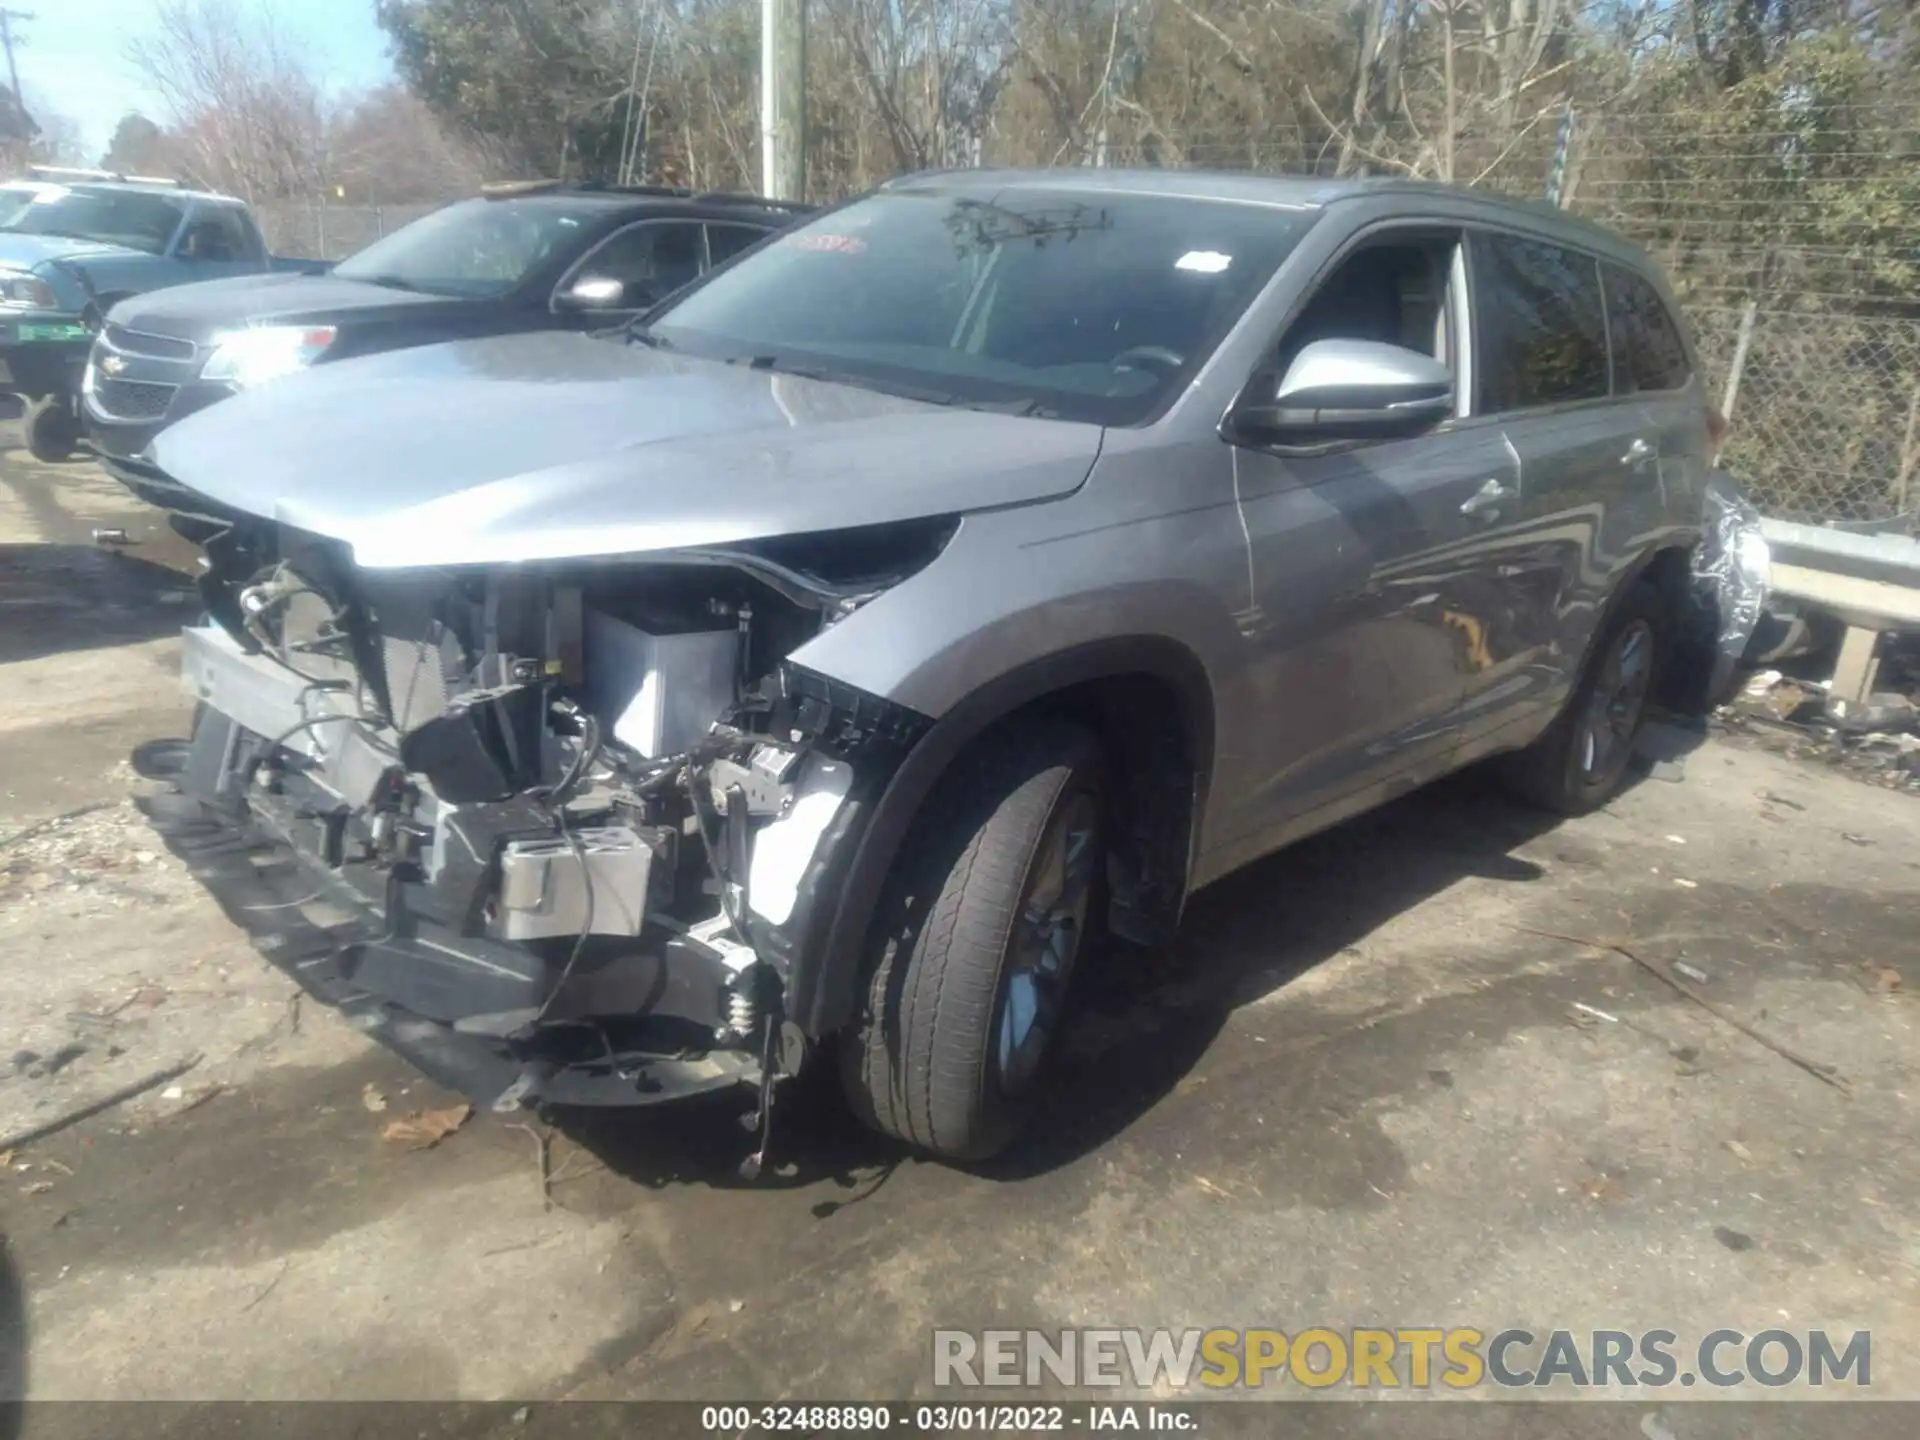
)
(1543, 375)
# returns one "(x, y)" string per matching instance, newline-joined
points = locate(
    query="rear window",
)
(1541, 330)
(1648, 353)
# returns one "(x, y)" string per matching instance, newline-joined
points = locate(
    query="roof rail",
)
(503, 189)
(727, 197)
(71, 172)
(603, 187)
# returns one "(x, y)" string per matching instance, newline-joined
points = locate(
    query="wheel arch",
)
(1141, 694)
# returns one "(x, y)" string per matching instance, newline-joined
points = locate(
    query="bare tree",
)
(247, 113)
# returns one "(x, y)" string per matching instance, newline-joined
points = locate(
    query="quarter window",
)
(1541, 330)
(726, 241)
(1648, 353)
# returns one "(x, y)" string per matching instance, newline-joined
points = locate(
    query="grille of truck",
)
(131, 399)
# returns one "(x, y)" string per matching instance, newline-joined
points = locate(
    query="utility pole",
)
(783, 98)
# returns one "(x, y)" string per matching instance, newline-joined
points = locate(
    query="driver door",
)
(649, 260)
(1364, 556)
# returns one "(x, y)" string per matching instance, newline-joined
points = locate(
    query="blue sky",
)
(72, 61)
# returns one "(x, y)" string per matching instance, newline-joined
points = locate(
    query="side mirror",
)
(1351, 390)
(597, 292)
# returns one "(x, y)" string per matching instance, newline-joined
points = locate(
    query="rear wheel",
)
(1580, 763)
(976, 943)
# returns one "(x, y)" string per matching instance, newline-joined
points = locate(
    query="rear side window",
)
(1541, 331)
(1648, 353)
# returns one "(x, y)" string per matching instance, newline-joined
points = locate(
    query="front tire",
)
(976, 940)
(1583, 759)
(52, 429)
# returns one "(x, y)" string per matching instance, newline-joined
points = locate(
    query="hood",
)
(555, 445)
(23, 252)
(193, 312)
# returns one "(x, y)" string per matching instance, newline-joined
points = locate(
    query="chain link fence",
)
(318, 231)
(1825, 410)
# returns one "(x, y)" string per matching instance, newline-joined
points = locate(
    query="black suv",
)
(522, 257)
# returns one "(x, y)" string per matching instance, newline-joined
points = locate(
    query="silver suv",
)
(978, 569)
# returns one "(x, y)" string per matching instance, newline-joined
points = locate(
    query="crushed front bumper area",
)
(317, 931)
(543, 1002)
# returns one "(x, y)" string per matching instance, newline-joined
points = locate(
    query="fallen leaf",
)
(148, 997)
(1740, 1151)
(39, 1187)
(1886, 979)
(6, 1158)
(426, 1128)
(1219, 1192)
(371, 1097)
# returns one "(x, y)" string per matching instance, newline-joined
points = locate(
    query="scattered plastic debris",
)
(1690, 972)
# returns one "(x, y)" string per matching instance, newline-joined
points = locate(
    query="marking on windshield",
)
(1203, 262)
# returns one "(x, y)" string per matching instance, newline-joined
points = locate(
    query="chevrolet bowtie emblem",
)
(113, 364)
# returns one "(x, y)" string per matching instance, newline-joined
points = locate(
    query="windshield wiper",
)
(649, 338)
(390, 282)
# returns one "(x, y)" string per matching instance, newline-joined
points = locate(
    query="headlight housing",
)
(244, 358)
(21, 291)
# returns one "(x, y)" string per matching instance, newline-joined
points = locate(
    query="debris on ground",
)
(373, 1098)
(425, 1129)
(41, 1129)
(1825, 1074)
(1878, 739)
(1882, 979)
(1690, 972)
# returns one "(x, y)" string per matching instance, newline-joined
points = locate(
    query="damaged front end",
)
(561, 833)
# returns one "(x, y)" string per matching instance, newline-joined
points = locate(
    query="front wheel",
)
(52, 429)
(1582, 760)
(976, 943)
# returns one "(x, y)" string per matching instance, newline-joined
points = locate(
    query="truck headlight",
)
(21, 291)
(251, 357)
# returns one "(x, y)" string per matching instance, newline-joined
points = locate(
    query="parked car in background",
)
(981, 566)
(520, 257)
(75, 243)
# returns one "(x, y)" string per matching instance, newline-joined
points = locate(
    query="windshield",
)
(133, 218)
(1087, 306)
(475, 248)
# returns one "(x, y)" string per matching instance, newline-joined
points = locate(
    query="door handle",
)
(1488, 498)
(1638, 453)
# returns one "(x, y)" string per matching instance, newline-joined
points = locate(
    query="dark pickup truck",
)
(522, 257)
(75, 243)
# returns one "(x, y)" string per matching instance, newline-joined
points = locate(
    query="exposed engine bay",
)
(584, 813)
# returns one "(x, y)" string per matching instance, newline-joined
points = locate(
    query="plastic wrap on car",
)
(1731, 569)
